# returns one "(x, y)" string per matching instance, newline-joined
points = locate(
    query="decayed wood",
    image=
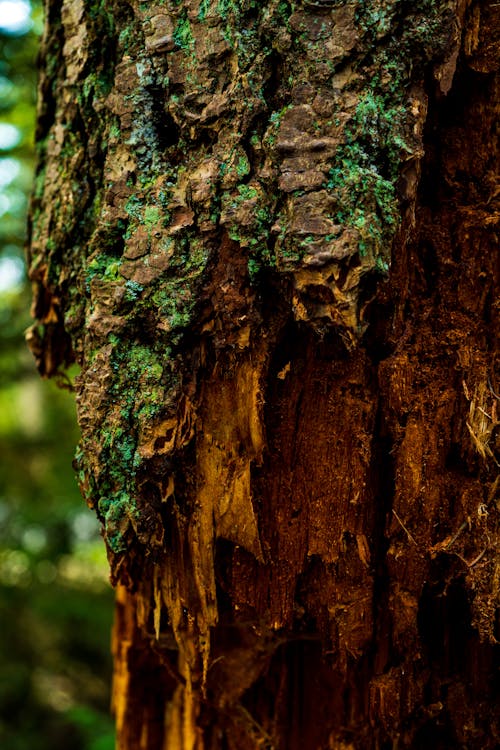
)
(266, 233)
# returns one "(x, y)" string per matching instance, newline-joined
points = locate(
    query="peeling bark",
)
(267, 234)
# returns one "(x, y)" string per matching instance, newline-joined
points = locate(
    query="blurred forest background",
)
(55, 600)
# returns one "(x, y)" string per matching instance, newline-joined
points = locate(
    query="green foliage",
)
(55, 601)
(17, 103)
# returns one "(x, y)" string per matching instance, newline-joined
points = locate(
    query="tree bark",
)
(267, 234)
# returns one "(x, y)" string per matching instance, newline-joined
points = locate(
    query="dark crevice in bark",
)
(383, 479)
(224, 551)
(273, 91)
(167, 131)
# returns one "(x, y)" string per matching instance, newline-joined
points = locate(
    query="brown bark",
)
(304, 529)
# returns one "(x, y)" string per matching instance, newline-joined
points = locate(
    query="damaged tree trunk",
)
(266, 233)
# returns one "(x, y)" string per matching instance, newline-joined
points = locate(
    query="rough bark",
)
(267, 234)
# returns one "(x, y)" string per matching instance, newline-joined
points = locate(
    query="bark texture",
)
(267, 234)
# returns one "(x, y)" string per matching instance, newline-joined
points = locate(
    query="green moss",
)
(39, 185)
(183, 36)
(203, 9)
(381, 266)
(133, 207)
(365, 171)
(114, 132)
(173, 304)
(152, 215)
(103, 267)
(254, 268)
(126, 36)
(141, 377)
(133, 290)
(243, 166)
(247, 192)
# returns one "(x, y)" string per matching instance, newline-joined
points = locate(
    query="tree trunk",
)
(266, 233)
